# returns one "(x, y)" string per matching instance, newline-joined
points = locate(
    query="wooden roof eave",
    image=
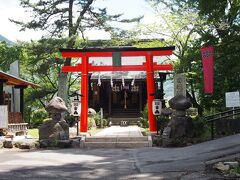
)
(16, 81)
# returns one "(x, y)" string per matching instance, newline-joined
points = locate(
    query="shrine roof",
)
(117, 49)
(16, 81)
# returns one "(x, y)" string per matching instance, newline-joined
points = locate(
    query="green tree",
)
(8, 54)
(41, 66)
(223, 21)
(73, 17)
(220, 28)
(179, 25)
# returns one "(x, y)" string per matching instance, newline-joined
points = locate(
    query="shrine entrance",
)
(124, 98)
(125, 101)
(121, 95)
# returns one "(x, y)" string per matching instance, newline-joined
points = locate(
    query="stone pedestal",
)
(181, 126)
(54, 130)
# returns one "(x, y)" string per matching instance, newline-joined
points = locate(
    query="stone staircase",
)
(131, 113)
(117, 142)
(124, 117)
(124, 121)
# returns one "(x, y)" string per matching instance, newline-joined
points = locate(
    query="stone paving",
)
(118, 137)
(119, 131)
(143, 163)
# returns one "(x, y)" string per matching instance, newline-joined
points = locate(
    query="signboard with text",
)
(4, 116)
(232, 99)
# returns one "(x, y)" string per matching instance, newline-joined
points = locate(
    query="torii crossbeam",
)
(85, 67)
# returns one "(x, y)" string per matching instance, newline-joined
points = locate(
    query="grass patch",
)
(33, 133)
(235, 170)
(145, 131)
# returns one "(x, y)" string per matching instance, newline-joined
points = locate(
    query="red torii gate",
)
(85, 67)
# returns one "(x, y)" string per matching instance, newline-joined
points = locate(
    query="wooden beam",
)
(1, 93)
(22, 101)
(91, 68)
(110, 54)
(77, 68)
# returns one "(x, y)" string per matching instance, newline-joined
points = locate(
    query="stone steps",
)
(132, 113)
(118, 142)
(116, 139)
(129, 120)
(116, 145)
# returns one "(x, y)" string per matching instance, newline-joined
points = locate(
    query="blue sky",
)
(130, 8)
(11, 9)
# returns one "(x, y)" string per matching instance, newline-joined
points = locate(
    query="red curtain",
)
(207, 62)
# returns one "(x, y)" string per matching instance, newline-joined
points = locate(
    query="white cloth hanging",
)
(123, 83)
(133, 81)
(111, 81)
(99, 80)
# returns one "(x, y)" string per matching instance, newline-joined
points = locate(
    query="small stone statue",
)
(56, 128)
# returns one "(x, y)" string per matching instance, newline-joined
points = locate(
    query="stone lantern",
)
(180, 126)
(56, 128)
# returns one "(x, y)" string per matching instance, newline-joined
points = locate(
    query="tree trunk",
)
(195, 104)
(63, 78)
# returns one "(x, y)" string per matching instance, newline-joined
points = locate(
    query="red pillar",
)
(84, 98)
(150, 92)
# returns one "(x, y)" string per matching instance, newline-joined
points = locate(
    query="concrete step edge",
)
(117, 139)
(116, 144)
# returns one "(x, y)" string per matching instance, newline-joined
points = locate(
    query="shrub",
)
(38, 116)
(71, 120)
(91, 123)
(144, 118)
(97, 119)
(162, 122)
(201, 129)
(235, 170)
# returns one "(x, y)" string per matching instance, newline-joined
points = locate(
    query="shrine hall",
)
(119, 80)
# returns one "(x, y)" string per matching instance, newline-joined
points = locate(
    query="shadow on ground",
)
(144, 163)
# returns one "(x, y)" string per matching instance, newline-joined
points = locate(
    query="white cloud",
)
(97, 34)
(12, 9)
